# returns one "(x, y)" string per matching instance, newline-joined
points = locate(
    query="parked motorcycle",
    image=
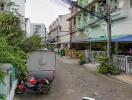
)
(37, 85)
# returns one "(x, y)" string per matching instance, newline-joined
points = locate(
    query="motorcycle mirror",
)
(87, 98)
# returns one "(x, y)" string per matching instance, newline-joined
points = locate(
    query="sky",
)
(44, 11)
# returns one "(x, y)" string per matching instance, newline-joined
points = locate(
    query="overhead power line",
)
(59, 3)
(106, 17)
(83, 8)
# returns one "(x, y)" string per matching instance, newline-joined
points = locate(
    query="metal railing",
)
(121, 62)
(91, 56)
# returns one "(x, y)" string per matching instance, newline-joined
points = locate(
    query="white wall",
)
(28, 27)
(65, 26)
(42, 30)
(65, 38)
(123, 26)
(20, 6)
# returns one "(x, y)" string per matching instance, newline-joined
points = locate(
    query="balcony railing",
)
(118, 14)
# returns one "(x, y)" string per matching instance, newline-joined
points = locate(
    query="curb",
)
(130, 84)
(111, 76)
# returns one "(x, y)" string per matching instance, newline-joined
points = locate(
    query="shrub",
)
(81, 59)
(104, 65)
(2, 97)
(114, 71)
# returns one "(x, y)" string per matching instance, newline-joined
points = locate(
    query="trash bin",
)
(62, 53)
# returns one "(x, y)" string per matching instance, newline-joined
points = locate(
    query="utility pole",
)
(58, 30)
(108, 20)
(45, 37)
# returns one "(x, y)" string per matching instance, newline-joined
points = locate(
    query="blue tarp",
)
(127, 38)
(118, 38)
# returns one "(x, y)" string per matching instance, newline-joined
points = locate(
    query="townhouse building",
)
(59, 32)
(72, 22)
(53, 32)
(91, 27)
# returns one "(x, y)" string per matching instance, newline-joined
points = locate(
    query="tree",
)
(10, 54)
(11, 36)
(32, 43)
(10, 28)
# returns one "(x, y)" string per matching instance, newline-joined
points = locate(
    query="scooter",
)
(38, 85)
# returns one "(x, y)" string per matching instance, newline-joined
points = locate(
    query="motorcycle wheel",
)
(44, 88)
(18, 91)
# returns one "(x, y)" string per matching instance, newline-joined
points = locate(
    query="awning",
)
(104, 38)
(127, 38)
(116, 38)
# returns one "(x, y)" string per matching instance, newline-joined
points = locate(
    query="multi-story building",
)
(59, 31)
(72, 22)
(93, 27)
(38, 29)
(15, 6)
(53, 32)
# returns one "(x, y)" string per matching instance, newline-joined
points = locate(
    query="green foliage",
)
(32, 43)
(114, 70)
(10, 54)
(2, 77)
(82, 59)
(104, 65)
(2, 97)
(10, 28)
(11, 37)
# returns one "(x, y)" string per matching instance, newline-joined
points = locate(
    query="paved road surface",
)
(72, 82)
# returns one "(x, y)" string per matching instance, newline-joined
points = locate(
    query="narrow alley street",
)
(73, 82)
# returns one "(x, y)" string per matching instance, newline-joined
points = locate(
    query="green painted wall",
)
(84, 18)
(93, 29)
(10, 77)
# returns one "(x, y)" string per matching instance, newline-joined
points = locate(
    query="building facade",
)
(59, 31)
(38, 29)
(90, 26)
(72, 22)
(15, 6)
(53, 32)
(10, 80)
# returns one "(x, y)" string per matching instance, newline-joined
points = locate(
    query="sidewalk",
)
(125, 78)
(93, 67)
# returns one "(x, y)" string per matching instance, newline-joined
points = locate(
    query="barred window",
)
(1, 7)
(130, 2)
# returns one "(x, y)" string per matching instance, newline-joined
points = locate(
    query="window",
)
(74, 21)
(130, 2)
(85, 16)
(1, 7)
(115, 5)
(93, 11)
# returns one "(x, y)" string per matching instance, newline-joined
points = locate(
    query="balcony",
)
(118, 14)
(93, 22)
